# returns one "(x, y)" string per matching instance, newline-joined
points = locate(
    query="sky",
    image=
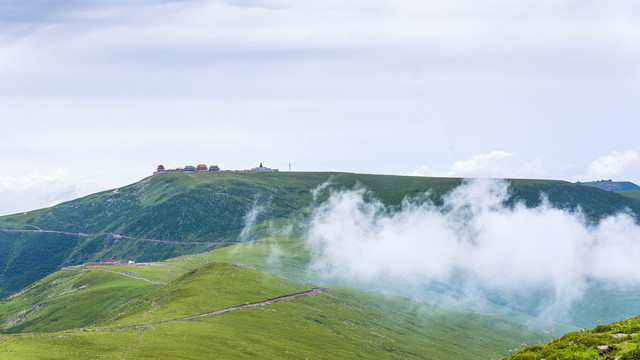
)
(95, 94)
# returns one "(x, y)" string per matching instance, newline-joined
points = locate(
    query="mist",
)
(250, 220)
(476, 241)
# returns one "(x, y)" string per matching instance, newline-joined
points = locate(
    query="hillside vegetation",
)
(174, 214)
(616, 186)
(618, 340)
(71, 307)
(228, 276)
(632, 194)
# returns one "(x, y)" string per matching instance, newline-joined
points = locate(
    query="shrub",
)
(602, 328)
(631, 355)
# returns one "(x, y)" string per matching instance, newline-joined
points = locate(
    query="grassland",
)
(173, 207)
(68, 299)
(619, 340)
(631, 194)
(617, 186)
(184, 215)
(337, 323)
(215, 207)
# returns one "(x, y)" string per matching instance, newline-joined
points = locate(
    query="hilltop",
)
(609, 185)
(182, 213)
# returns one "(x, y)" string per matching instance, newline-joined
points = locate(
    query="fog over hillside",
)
(477, 240)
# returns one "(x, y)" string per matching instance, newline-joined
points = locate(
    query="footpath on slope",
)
(118, 236)
(131, 276)
(314, 291)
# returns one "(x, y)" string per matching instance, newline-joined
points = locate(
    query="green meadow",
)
(337, 323)
(635, 194)
(209, 242)
(618, 340)
(192, 212)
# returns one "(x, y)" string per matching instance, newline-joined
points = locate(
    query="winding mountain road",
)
(118, 236)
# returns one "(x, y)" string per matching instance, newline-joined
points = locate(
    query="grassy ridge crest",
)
(210, 207)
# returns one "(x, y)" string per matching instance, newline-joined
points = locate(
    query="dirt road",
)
(314, 291)
(117, 236)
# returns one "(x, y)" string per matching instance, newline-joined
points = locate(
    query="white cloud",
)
(484, 165)
(423, 170)
(29, 181)
(36, 190)
(496, 247)
(532, 170)
(400, 83)
(496, 164)
(115, 43)
(613, 165)
(501, 164)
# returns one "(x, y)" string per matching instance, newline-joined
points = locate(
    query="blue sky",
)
(95, 94)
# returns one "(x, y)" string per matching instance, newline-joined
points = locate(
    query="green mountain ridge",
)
(191, 211)
(239, 242)
(609, 185)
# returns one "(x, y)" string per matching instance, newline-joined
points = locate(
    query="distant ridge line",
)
(119, 236)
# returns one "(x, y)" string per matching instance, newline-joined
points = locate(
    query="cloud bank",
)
(476, 237)
(613, 164)
(494, 164)
(619, 165)
(37, 189)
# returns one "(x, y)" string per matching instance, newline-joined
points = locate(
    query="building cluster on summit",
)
(213, 168)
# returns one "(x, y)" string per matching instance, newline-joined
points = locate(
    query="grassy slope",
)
(625, 345)
(289, 257)
(28, 257)
(68, 299)
(595, 202)
(616, 186)
(178, 207)
(214, 207)
(631, 194)
(340, 323)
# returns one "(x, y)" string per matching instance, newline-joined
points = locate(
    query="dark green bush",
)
(631, 355)
(602, 328)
